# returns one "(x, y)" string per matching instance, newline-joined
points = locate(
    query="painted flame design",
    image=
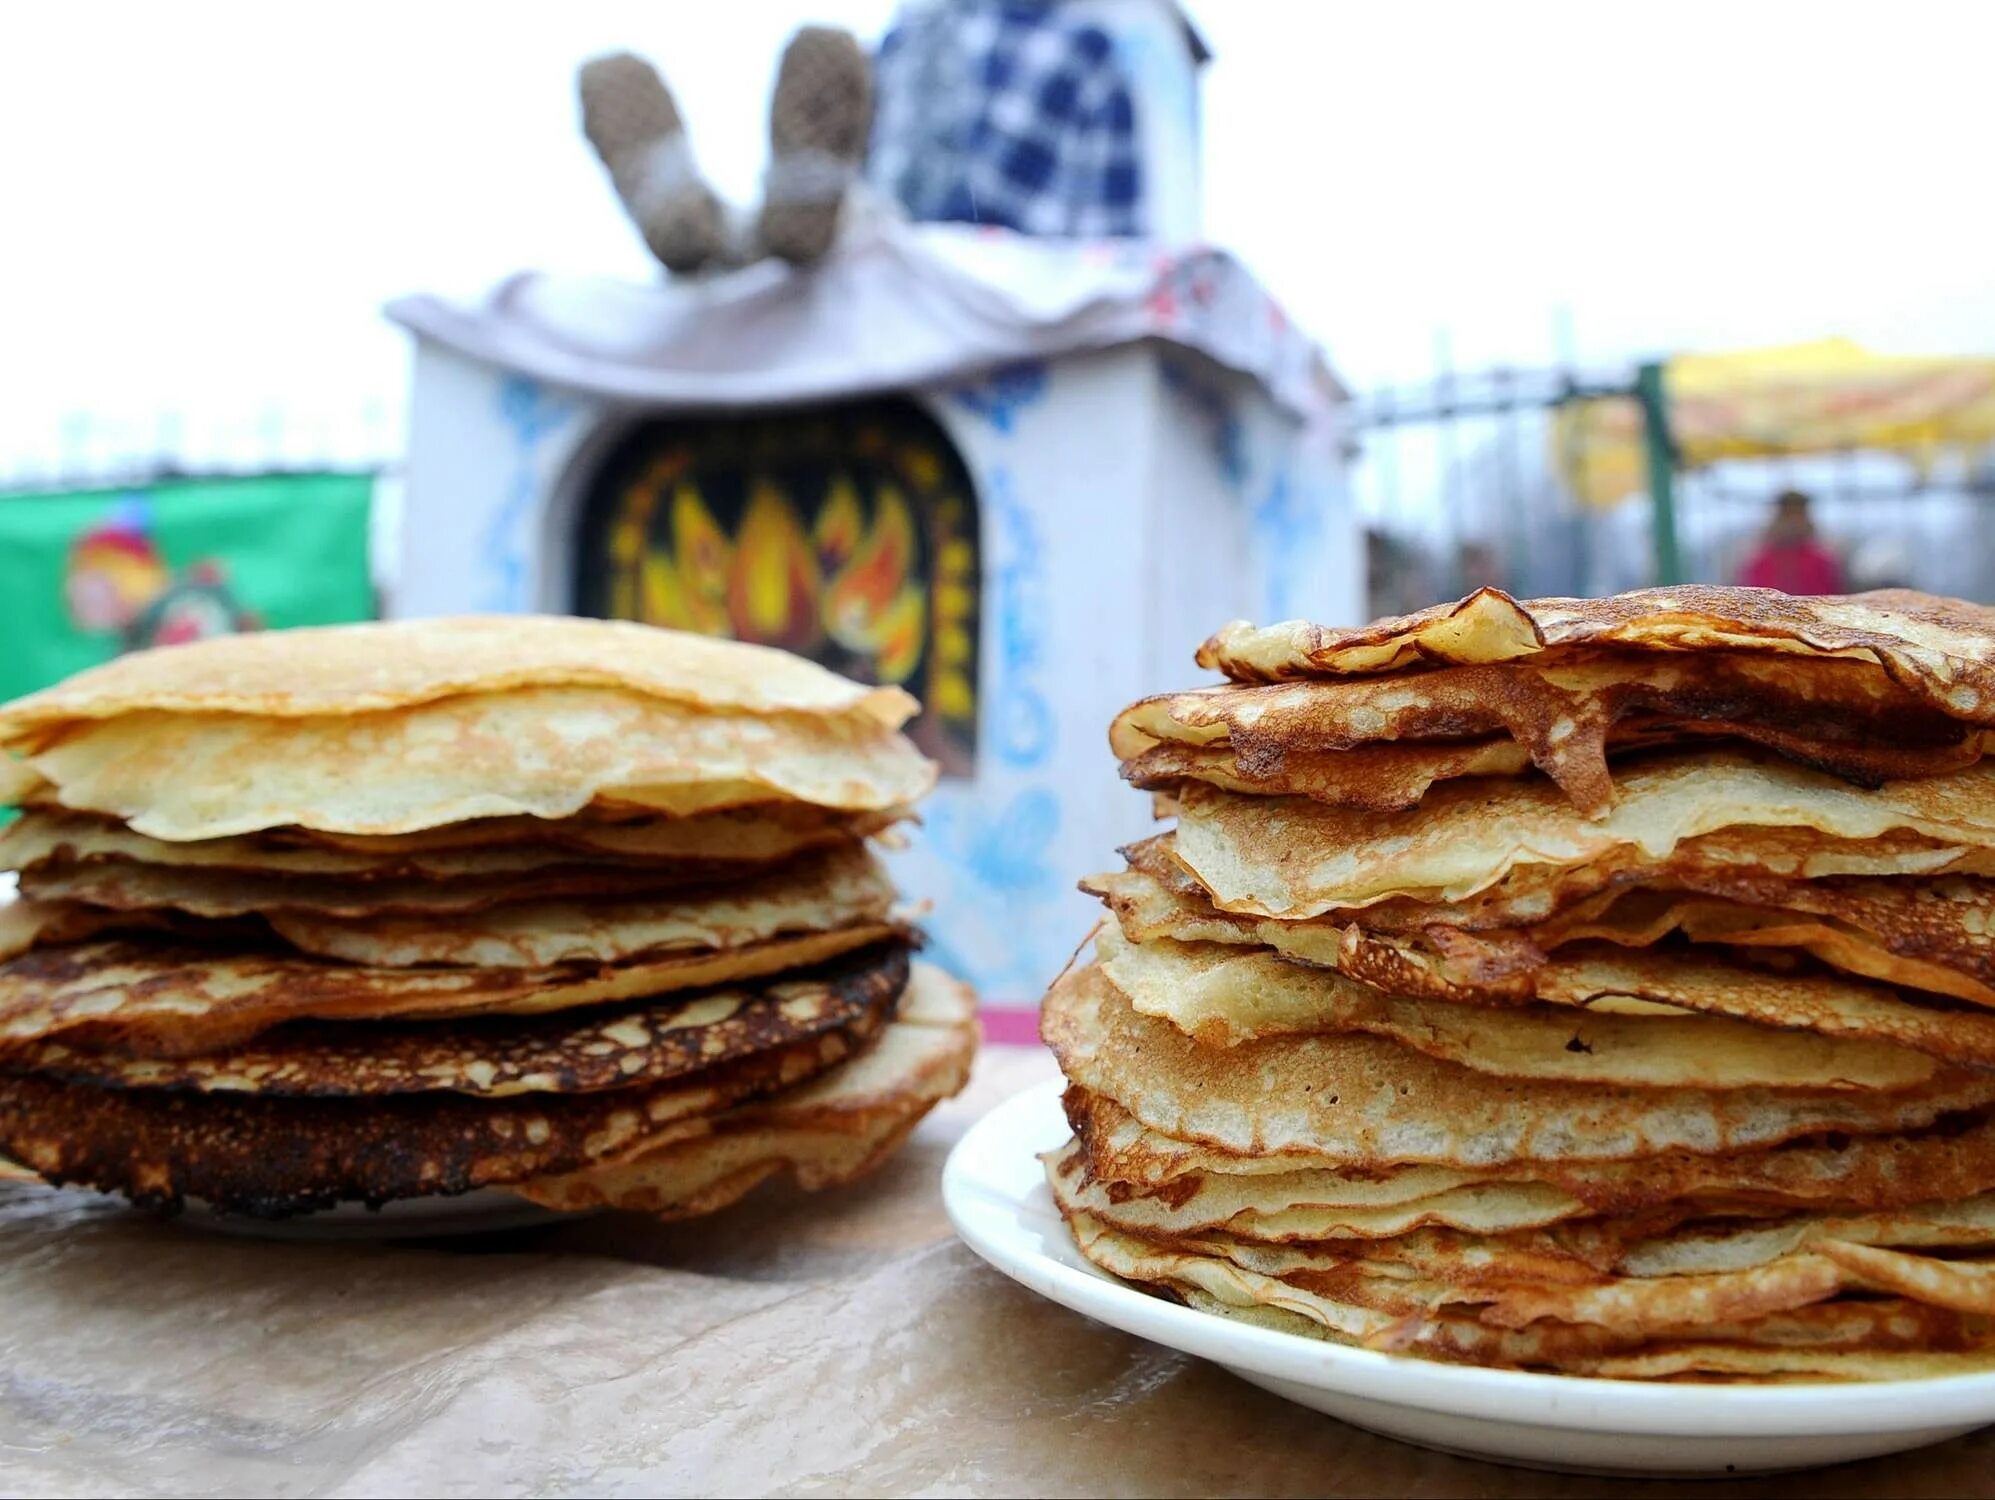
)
(874, 606)
(841, 525)
(774, 585)
(686, 588)
(855, 583)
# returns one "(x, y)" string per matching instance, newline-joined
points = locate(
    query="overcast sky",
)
(205, 204)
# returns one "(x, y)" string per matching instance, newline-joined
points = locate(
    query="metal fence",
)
(102, 450)
(1458, 485)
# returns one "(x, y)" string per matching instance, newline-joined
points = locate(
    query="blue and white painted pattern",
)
(533, 418)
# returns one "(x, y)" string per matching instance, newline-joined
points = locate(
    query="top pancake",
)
(1941, 649)
(349, 669)
(544, 752)
(380, 730)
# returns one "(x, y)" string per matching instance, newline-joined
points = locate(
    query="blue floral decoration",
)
(532, 415)
(1004, 393)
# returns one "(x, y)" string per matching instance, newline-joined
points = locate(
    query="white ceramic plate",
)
(996, 1194)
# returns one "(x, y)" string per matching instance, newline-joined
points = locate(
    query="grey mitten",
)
(819, 120)
(631, 119)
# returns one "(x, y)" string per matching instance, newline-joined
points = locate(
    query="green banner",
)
(87, 574)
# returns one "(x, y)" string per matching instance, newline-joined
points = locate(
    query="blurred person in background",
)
(1789, 555)
(819, 115)
(1061, 118)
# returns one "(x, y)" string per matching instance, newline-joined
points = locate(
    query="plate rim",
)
(976, 1203)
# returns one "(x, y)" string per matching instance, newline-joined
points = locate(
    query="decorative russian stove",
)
(1021, 478)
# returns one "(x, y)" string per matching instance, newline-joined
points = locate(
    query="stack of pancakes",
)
(581, 909)
(1604, 987)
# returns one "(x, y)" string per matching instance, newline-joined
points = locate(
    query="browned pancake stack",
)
(1599, 986)
(579, 909)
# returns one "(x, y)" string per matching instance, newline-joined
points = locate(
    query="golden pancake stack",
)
(580, 909)
(1595, 986)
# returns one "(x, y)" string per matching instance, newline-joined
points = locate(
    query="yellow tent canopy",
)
(1828, 396)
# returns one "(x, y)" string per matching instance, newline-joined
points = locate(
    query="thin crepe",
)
(1941, 649)
(1294, 858)
(154, 999)
(566, 1052)
(1365, 1102)
(1379, 742)
(352, 669)
(1224, 996)
(827, 1133)
(546, 752)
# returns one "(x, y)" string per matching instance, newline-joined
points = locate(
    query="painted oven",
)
(1026, 548)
